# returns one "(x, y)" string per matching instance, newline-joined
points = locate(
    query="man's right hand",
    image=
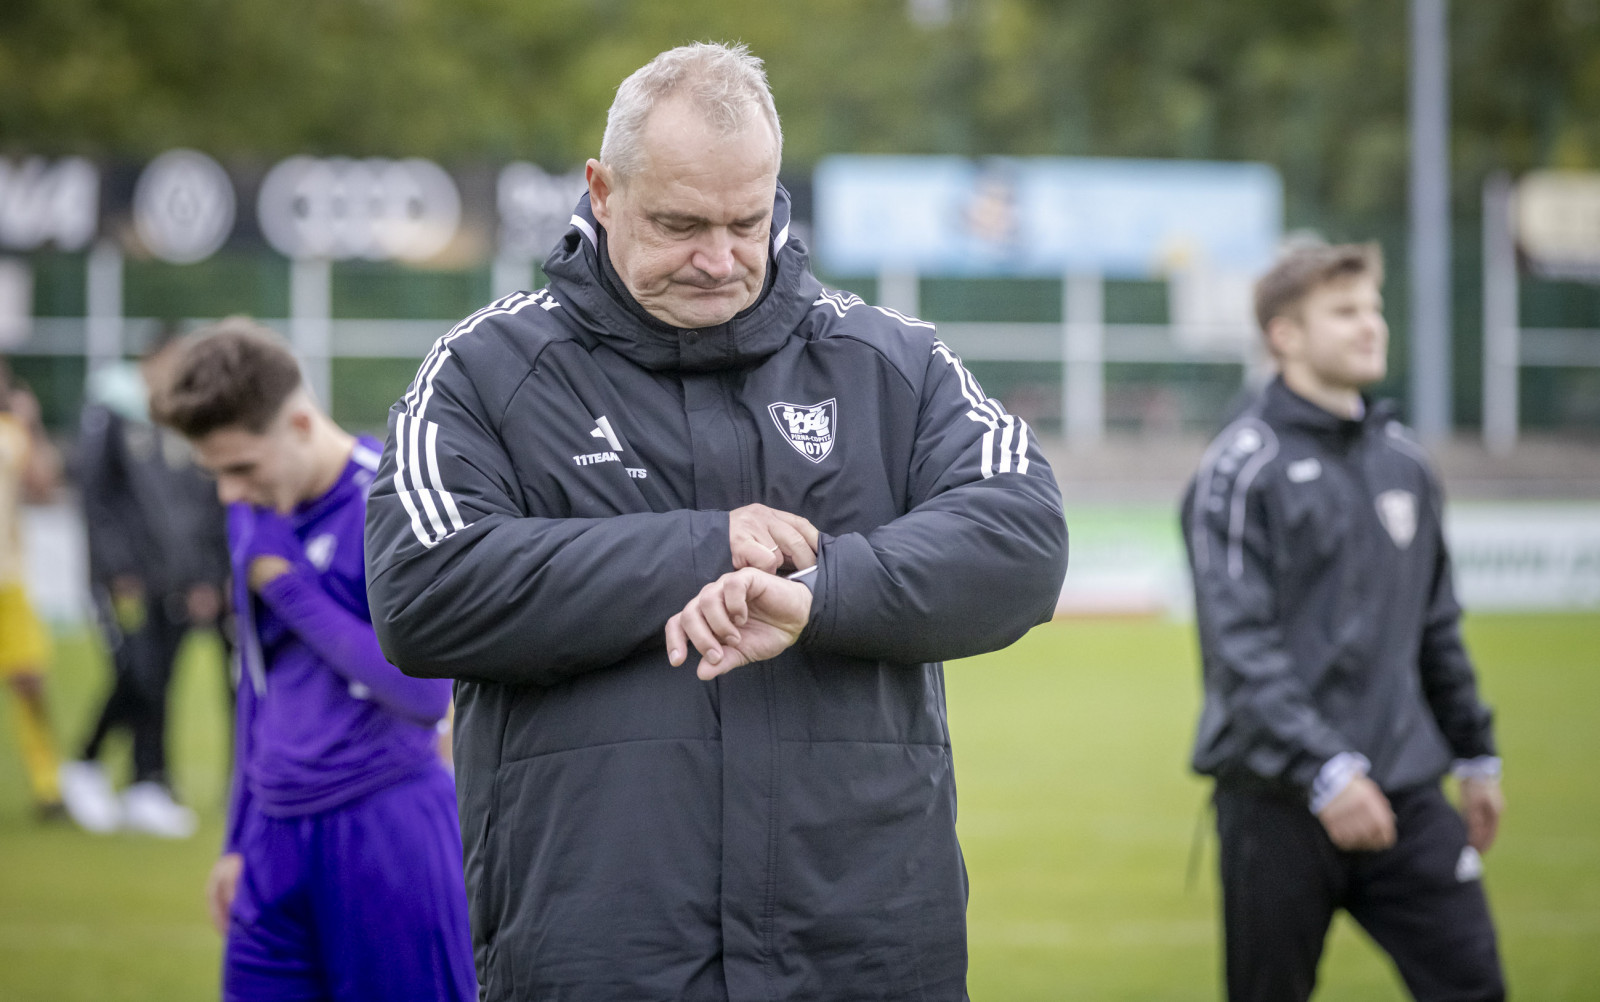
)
(221, 886)
(768, 539)
(741, 617)
(1359, 817)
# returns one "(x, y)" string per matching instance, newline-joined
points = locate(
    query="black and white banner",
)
(184, 206)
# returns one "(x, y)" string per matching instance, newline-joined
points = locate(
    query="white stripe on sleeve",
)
(997, 452)
(1005, 444)
(421, 390)
(1241, 494)
(433, 478)
(416, 479)
(423, 535)
(430, 361)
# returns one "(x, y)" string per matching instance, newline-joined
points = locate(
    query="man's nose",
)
(714, 256)
(230, 490)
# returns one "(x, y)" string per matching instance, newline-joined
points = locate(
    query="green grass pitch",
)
(1077, 818)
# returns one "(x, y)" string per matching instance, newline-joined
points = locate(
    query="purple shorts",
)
(362, 902)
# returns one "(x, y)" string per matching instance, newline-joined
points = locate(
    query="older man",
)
(685, 441)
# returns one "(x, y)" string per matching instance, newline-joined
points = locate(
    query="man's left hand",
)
(1481, 806)
(748, 615)
(272, 548)
(265, 570)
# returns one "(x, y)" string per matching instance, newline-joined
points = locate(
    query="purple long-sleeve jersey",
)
(323, 718)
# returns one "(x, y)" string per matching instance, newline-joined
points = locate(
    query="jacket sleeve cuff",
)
(1336, 774)
(811, 577)
(816, 578)
(807, 577)
(708, 541)
(1481, 767)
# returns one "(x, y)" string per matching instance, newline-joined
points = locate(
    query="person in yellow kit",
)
(29, 468)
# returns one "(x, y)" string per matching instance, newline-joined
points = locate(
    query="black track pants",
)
(1282, 879)
(142, 661)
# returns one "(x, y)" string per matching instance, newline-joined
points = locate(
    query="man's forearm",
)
(346, 643)
(534, 601)
(968, 572)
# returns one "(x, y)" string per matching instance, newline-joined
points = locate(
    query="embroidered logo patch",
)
(320, 550)
(807, 427)
(1397, 510)
(1304, 470)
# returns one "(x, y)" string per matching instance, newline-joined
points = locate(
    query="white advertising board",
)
(939, 215)
(1526, 556)
(1510, 557)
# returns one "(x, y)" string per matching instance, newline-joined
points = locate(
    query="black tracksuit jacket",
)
(1328, 621)
(149, 511)
(557, 484)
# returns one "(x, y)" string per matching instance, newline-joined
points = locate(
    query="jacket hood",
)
(582, 278)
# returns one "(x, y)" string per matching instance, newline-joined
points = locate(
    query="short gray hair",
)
(724, 81)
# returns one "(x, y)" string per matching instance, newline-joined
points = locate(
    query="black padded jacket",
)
(1328, 619)
(556, 485)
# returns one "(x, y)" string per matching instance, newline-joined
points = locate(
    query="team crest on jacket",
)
(319, 551)
(1397, 510)
(807, 427)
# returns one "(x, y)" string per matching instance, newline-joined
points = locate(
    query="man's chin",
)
(703, 311)
(1358, 374)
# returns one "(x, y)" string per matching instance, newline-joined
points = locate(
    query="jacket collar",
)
(1281, 405)
(582, 278)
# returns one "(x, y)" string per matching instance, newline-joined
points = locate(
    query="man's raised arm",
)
(464, 583)
(978, 559)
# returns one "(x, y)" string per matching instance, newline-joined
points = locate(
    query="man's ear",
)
(601, 187)
(1283, 335)
(301, 421)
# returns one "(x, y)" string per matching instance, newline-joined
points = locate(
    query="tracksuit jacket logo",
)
(602, 429)
(807, 427)
(1397, 510)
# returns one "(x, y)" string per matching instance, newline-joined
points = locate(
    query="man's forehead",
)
(687, 158)
(680, 119)
(1342, 287)
(681, 203)
(228, 447)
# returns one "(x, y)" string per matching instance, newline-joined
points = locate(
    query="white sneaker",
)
(89, 798)
(149, 808)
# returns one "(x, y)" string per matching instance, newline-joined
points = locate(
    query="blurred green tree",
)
(1316, 87)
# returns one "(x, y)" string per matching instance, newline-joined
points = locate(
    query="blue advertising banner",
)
(1044, 215)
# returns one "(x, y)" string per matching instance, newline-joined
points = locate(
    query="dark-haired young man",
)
(341, 874)
(1337, 689)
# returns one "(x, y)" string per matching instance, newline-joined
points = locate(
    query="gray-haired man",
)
(686, 441)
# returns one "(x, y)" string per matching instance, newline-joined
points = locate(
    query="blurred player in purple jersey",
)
(341, 873)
